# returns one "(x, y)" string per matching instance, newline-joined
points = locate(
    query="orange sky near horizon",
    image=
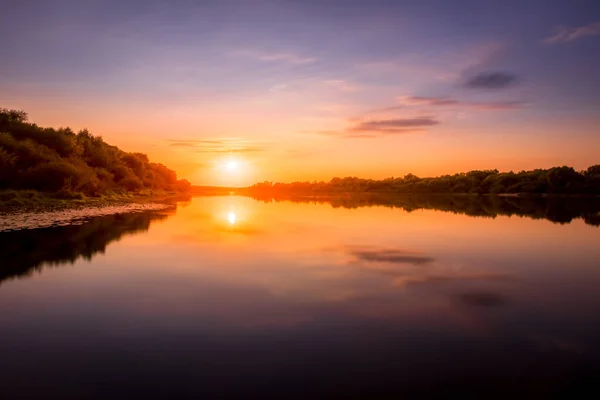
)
(295, 91)
(278, 151)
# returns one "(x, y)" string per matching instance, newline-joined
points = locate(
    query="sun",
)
(231, 165)
(233, 171)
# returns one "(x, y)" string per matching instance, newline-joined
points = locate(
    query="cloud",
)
(497, 105)
(232, 150)
(288, 58)
(491, 80)
(227, 145)
(394, 126)
(182, 144)
(449, 63)
(341, 85)
(362, 128)
(565, 34)
(482, 299)
(360, 136)
(343, 133)
(279, 88)
(448, 101)
(391, 256)
(427, 101)
(375, 128)
(191, 143)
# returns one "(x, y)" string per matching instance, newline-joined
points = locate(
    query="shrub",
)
(105, 176)
(51, 177)
(131, 183)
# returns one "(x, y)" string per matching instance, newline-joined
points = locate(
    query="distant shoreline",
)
(17, 201)
(561, 180)
(249, 191)
(555, 207)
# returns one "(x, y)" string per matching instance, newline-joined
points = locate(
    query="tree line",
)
(557, 180)
(62, 161)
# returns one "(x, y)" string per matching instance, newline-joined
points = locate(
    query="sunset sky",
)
(233, 92)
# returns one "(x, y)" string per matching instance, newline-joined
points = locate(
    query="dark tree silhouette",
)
(558, 180)
(60, 160)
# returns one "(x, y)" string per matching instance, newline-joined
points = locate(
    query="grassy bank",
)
(12, 201)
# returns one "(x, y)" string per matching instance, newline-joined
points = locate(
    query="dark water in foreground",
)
(229, 296)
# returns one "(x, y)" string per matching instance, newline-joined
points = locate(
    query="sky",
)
(234, 92)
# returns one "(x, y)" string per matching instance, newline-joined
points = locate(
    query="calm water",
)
(234, 296)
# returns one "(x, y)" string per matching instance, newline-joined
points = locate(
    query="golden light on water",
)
(231, 217)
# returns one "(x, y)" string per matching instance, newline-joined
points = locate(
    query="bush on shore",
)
(62, 161)
(554, 181)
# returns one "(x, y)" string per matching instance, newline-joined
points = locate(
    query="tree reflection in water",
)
(556, 209)
(27, 251)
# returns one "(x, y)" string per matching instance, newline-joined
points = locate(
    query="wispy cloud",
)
(382, 127)
(491, 80)
(369, 129)
(236, 150)
(288, 58)
(341, 85)
(565, 34)
(394, 126)
(227, 145)
(446, 65)
(279, 88)
(427, 101)
(443, 101)
(362, 135)
(191, 143)
(380, 122)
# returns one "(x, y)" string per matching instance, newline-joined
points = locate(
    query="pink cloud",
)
(569, 34)
(408, 101)
(341, 85)
(289, 58)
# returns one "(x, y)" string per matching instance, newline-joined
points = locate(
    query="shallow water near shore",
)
(70, 216)
(234, 297)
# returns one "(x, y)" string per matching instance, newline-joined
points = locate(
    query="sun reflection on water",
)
(231, 217)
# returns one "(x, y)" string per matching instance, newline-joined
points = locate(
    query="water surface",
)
(235, 296)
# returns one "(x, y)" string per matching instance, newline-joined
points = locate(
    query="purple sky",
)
(311, 89)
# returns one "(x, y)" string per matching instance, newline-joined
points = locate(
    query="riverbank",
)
(28, 201)
(77, 216)
(282, 194)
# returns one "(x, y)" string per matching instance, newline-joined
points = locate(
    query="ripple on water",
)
(33, 220)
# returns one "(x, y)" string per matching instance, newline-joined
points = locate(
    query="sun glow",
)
(231, 165)
(232, 170)
(231, 217)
